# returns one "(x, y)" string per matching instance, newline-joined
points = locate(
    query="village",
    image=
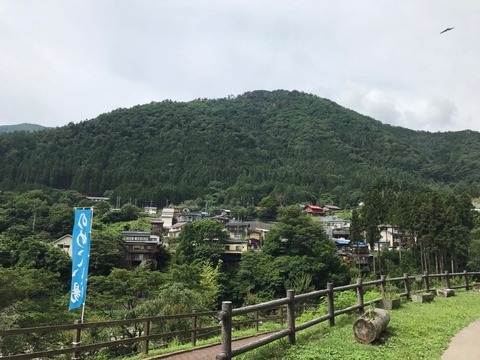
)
(143, 246)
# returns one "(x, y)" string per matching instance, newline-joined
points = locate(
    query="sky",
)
(67, 61)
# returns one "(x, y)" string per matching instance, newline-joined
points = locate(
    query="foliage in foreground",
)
(416, 331)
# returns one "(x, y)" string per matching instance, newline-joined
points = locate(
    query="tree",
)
(118, 294)
(200, 241)
(32, 253)
(107, 251)
(294, 234)
(269, 207)
(300, 248)
(372, 214)
(61, 217)
(30, 298)
(258, 277)
(355, 228)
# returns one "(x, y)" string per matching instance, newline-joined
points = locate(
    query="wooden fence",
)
(227, 315)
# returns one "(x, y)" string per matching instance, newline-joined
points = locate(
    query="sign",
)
(80, 256)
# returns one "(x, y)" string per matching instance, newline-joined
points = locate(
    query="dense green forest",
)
(237, 151)
(21, 127)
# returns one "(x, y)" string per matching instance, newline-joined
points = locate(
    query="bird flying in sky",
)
(447, 29)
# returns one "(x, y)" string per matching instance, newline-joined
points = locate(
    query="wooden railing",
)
(227, 315)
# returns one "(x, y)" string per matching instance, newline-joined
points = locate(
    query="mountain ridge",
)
(21, 127)
(261, 142)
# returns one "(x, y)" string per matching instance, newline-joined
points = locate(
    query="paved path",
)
(465, 345)
(208, 352)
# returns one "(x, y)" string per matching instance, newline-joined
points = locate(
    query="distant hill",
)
(236, 150)
(21, 127)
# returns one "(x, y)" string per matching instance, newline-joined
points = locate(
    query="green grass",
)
(415, 331)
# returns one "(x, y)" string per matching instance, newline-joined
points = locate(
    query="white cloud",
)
(68, 61)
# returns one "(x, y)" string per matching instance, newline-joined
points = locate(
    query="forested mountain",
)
(21, 127)
(237, 150)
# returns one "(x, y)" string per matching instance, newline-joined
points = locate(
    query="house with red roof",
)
(314, 210)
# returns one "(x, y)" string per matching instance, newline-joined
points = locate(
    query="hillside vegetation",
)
(21, 127)
(238, 150)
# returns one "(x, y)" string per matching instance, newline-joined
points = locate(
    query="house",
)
(142, 247)
(331, 208)
(222, 218)
(361, 254)
(335, 227)
(64, 243)
(390, 236)
(232, 251)
(238, 229)
(225, 212)
(175, 229)
(258, 232)
(157, 226)
(189, 216)
(97, 198)
(167, 217)
(343, 249)
(314, 210)
(257, 236)
(235, 246)
(151, 210)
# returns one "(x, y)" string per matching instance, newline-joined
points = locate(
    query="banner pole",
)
(83, 311)
(86, 281)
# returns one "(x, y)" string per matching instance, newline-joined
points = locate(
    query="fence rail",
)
(227, 315)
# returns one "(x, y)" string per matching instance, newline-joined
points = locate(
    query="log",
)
(445, 292)
(368, 327)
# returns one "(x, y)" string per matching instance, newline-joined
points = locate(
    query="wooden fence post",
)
(406, 285)
(360, 295)
(291, 315)
(281, 315)
(225, 316)
(382, 286)
(146, 332)
(77, 340)
(194, 329)
(447, 279)
(467, 286)
(256, 321)
(427, 281)
(331, 306)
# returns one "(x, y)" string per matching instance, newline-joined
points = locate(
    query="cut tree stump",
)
(368, 327)
(445, 292)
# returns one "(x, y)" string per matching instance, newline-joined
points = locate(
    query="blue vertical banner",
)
(80, 256)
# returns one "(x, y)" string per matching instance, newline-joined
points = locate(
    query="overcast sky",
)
(65, 61)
